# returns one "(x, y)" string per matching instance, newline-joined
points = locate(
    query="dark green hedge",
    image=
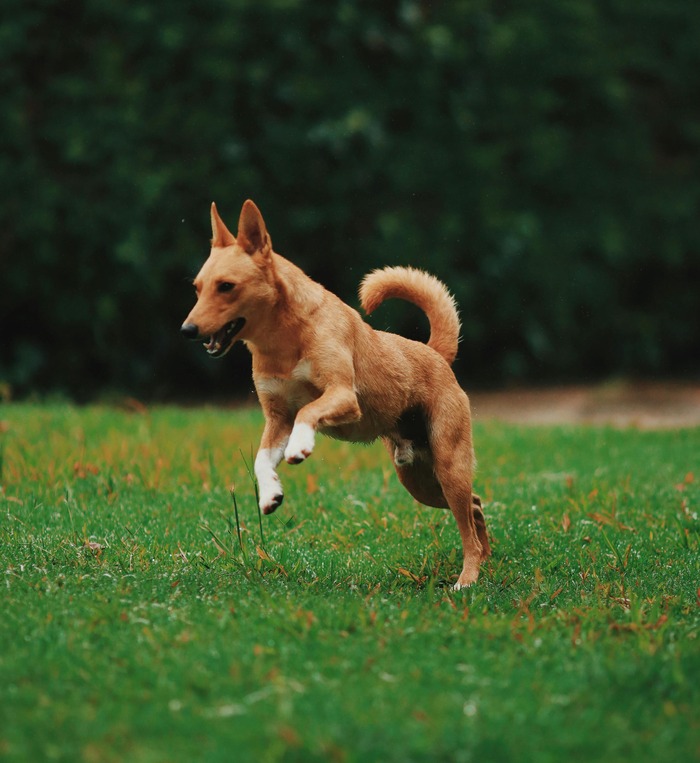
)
(542, 157)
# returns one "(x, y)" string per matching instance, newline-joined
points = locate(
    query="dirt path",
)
(644, 405)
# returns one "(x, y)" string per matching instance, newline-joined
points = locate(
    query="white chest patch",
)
(302, 371)
(296, 390)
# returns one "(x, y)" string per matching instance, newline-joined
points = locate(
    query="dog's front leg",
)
(270, 490)
(272, 445)
(337, 405)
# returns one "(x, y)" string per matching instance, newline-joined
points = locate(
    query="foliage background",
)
(540, 157)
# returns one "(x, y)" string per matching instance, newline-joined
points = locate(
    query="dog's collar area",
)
(221, 342)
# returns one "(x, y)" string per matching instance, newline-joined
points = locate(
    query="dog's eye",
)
(225, 287)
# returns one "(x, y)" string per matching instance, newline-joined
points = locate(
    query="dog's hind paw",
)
(466, 579)
(300, 445)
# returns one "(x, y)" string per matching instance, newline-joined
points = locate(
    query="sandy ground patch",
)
(645, 405)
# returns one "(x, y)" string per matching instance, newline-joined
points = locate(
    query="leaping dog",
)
(318, 367)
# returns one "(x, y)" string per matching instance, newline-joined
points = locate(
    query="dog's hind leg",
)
(417, 475)
(458, 492)
(420, 481)
(480, 522)
(453, 460)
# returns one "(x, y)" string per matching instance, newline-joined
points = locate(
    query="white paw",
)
(300, 445)
(269, 503)
(270, 493)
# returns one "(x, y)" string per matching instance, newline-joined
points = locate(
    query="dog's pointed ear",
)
(252, 233)
(220, 234)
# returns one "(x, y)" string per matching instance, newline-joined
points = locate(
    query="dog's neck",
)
(277, 339)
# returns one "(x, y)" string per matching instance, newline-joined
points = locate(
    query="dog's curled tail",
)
(423, 290)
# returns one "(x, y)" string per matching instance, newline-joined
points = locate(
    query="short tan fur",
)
(318, 367)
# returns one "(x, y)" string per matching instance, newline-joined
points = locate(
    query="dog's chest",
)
(296, 389)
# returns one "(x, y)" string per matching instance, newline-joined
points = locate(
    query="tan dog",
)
(318, 367)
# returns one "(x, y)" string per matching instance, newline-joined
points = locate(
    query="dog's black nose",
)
(189, 331)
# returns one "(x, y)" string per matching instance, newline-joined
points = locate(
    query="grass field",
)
(141, 621)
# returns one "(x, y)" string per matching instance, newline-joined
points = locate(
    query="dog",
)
(318, 367)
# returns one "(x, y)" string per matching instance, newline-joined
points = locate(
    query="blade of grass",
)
(238, 521)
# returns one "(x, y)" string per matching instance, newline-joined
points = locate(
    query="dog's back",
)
(393, 374)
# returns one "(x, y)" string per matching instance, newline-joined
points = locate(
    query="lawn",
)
(146, 616)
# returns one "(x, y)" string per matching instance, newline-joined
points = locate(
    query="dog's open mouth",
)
(221, 342)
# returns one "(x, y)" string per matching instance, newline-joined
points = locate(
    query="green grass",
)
(138, 626)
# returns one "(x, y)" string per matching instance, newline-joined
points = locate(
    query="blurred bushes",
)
(540, 157)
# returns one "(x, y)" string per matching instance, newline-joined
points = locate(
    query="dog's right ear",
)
(220, 234)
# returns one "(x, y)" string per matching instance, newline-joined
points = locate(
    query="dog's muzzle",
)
(219, 343)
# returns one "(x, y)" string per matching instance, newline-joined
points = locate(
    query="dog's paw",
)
(300, 445)
(271, 494)
(269, 503)
(466, 579)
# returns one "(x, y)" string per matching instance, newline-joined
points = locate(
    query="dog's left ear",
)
(252, 233)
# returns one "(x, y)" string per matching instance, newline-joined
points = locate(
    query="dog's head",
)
(235, 286)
